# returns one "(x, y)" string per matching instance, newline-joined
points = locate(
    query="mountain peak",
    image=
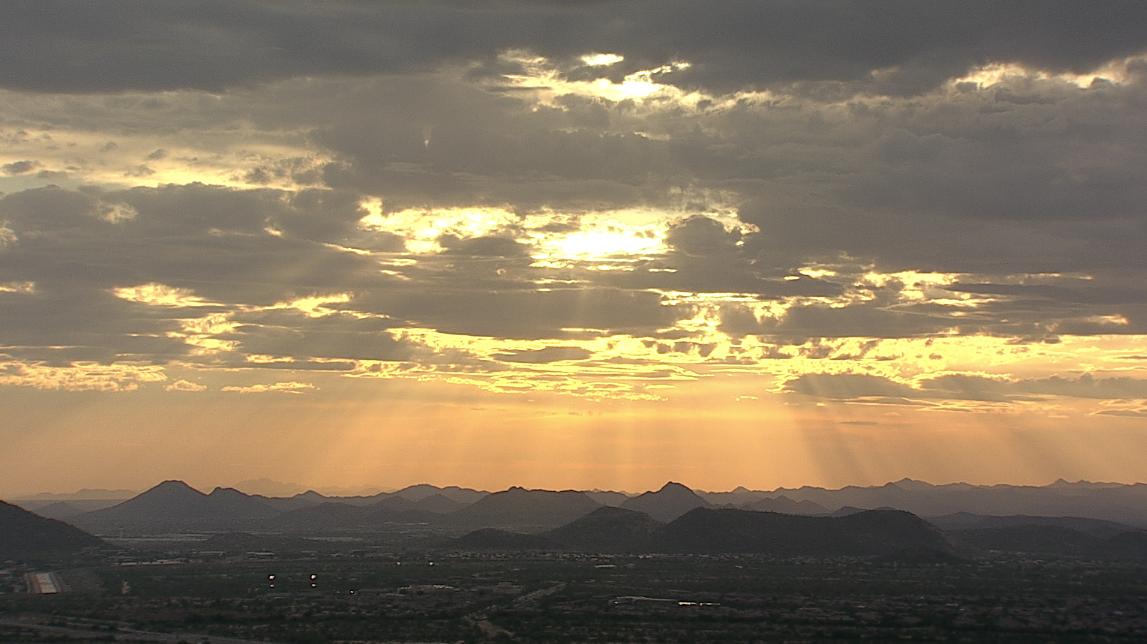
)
(668, 503)
(912, 484)
(172, 487)
(227, 492)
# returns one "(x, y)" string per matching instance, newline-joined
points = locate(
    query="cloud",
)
(848, 386)
(818, 179)
(853, 386)
(78, 375)
(185, 385)
(545, 355)
(20, 167)
(280, 387)
(101, 46)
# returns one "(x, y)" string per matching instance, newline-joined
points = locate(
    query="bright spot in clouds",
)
(602, 238)
(160, 295)
(601, 60)
(554, 237)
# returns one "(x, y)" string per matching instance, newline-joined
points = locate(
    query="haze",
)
(572, 245)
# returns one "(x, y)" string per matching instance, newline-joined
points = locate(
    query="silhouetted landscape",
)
(672, 565)
(680, 321)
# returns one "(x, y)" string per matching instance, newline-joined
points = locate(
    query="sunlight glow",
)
(549, 81)
(80, 376)
(155, 294)
(280, 387)
(601, 60)
(422, 228)
(18, 287)
(1116, 72)
(603, 240)
(315, 305)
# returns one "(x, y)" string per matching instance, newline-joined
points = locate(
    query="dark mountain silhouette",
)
(785, 505)
(495, 539)
(229, 502)
(1107, 501)
(175, 506)
(606, 497)
(24, 534)
(968, 521)
(607, 529)
(296, 502)
(873, 532)
(435, 503)
(439, 504)
(59, 510)
(525, 510)
(736, 498)
(1052, 540)
(1098, 509)
(666, 504)
(81, 505)
(396, 503)
(889, 533)
(86, 494)
(464, 496)
(360, 501)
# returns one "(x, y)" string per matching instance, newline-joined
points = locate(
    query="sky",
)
(572, 244)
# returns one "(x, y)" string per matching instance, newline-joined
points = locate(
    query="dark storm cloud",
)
(209, 239)
(219, 247)
(65, 45)
(862, 320)
(850, 386)
(411, 104)
(294, 334)
(521, 313)
(483, 246)
(1022, 176)
(210, 242)
(431, 140)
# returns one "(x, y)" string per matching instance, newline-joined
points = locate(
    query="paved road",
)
(122, 635)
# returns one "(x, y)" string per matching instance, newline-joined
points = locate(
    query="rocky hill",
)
(24, 534)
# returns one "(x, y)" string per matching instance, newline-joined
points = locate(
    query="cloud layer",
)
(848, 201)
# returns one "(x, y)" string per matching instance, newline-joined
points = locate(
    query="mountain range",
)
(24, 534)
(673, 519)
(1107, 501)
(1059, 518)
(705, 530)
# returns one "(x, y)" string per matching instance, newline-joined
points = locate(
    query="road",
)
(120, 635)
